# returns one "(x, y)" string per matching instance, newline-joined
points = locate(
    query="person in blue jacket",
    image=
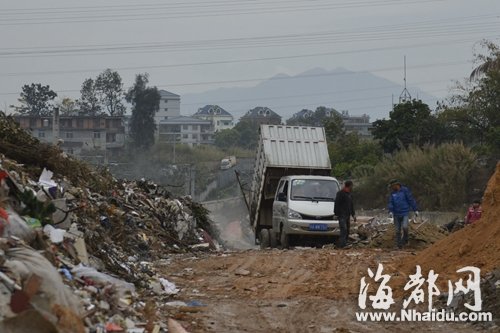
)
(400, 202)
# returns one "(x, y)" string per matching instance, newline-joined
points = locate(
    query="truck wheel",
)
(273, 239)
(264, 239)
(285, 240)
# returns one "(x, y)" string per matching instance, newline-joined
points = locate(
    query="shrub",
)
(437, 176)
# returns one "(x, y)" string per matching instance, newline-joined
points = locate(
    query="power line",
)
(163, 6)
(387, 69)
(212, 45)
(330, 103)
(430, 24)
(196, 4)
(298, 106)
(335, 92)
(218, 12)
(230, 61)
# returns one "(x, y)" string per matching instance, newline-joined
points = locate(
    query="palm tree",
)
(489, 63)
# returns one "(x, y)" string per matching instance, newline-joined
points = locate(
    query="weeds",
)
(437, 175)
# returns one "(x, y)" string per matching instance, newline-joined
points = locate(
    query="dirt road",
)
(300, 290)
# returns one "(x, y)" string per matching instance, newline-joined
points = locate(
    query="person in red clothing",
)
(474, 212)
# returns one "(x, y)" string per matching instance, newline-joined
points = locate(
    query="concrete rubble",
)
(77, 247)
(378, 232)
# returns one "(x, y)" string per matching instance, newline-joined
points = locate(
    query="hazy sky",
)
(195, 45)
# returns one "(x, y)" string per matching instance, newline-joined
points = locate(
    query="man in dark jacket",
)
(400, 203)
(344, 209)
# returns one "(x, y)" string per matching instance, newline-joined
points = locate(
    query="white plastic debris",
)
(56, 235)
(18, 227)
(176, 304)
(121, 286)
(46, 178)
(168, 287)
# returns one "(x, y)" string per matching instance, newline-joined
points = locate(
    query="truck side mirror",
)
(281, 196)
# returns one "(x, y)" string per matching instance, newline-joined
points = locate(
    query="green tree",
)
(248, 134)
(227, 138)
(145, 103)
(313, 118)
(334, 127)
(474, 112)
(36, 100)
(110, 86)
(351, 155)
(66, 106)
(89, 102)
(409, 123)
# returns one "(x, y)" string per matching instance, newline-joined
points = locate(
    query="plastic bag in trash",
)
(168, 287)
(18, 227)
(23, 262)
(56, 235)
(62, 216)
(122, 287)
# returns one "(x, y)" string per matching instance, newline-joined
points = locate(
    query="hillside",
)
(358, 92)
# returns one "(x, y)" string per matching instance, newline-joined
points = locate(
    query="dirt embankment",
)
(476, 245)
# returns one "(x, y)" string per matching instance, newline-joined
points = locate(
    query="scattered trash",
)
(95, 272)
(176, 304)
(169, 288)
(195, 303)
(56, 236)
(242, 272)
(112, 327)
(379, 233)
(121, 286)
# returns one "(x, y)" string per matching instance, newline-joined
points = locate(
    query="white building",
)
(79, 135)
(186, 130)
(220, 118)
(359, 124)
(170, 106)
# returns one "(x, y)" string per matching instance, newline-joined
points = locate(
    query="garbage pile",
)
(379, 232)
(68, 253)
(78, 258)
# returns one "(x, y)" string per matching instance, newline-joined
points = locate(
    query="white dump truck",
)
(292, 194)
(227, 162)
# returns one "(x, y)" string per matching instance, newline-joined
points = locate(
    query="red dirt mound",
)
(475, 245)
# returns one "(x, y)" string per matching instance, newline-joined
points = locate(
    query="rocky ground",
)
(299, 290)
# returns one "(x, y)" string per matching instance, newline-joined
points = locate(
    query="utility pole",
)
(173, 143)
(55, 126)
(192, 177)
(405, 94)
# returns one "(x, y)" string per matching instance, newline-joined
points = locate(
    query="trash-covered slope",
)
(20, 146)
(80, 250)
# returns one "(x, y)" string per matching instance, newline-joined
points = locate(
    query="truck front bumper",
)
(303, 227)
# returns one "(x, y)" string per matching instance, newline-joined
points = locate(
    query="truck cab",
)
(304, 205)
(291, 192)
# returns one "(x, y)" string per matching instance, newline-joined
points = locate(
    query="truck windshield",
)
(314, 190)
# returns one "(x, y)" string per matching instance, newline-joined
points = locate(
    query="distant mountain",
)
(357, 92)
